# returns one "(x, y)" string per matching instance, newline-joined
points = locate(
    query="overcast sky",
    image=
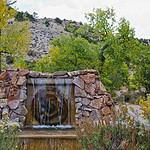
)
(136, 11)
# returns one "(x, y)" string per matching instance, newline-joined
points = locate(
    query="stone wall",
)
(91, 99)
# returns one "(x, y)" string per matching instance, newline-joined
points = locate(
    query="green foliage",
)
(6, 13)
(24, 16)
(104, 44)
(71, 27)
(15, 39)
(119, 50)
(46, 23)
(69, 53)
(125, 133)
(8, 134)
(58, 20)
(101, 22)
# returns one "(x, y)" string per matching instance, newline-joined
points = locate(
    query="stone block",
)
(78, 82)
(13, 104)
(21, 110)
(78, 99)
(21, 80)
(85, 101)
(97, 103)
(100, 89)
(79, 92)
(90, 89)
(23, 72)
(14, 80)
(78, 106)
(88, 78)
(5, 76)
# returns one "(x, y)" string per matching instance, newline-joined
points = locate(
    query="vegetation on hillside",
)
(104, 44)
(125, 133)
(14, 36)
(69, 53)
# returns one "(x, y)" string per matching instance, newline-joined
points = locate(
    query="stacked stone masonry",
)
(91, 99)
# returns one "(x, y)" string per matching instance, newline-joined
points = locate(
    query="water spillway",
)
(51, 102)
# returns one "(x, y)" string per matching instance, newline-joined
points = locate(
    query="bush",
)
(57, 20)
(124, 134)
(8, 134)
(46, 23)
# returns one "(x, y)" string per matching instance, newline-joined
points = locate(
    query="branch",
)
(11, 3)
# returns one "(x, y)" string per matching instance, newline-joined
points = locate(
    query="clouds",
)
(136, 11)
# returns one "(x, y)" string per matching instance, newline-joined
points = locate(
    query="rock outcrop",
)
(42, 32)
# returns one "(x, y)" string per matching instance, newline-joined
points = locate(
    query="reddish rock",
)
(21, 81)
(5, 76)
(78, 82)
(23, 72)
(13, 104)
(14, 80)
(100, 89)
(88, 78)
(79, 92)
(13, 95)
(106, 111)
(97, 103)
(90, 88)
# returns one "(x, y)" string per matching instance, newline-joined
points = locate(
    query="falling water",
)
(47, 109)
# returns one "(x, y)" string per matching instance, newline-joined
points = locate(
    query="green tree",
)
(119, 50)
(6, 13)
(14, 37)
(69, 53)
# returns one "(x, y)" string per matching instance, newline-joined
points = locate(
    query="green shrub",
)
(8, 134)
(124, 134)
(57, 20)
(46, 23)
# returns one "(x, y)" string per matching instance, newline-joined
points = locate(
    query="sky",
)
(136, 11)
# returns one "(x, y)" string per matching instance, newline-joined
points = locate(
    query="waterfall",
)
(51, 102)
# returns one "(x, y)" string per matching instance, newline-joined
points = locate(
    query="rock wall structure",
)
(91, 99)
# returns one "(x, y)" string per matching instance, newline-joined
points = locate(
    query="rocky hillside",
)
(43, 31)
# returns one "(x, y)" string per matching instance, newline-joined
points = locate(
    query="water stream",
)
(51, 102)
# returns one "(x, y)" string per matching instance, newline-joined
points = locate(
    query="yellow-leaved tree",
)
(14, 36)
